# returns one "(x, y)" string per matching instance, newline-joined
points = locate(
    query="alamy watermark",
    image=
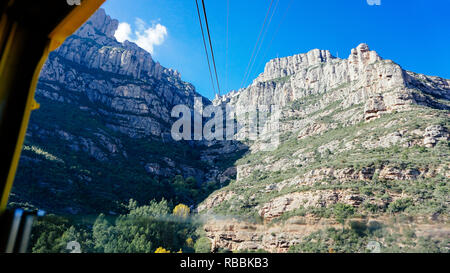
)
(374, 247)
(225, 122)
(73, 2)
(73, 247)
(374, 2)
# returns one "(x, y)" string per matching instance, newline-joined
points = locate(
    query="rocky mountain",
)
(102, 134)
(360, 135)
(116, 78)
(363, 152)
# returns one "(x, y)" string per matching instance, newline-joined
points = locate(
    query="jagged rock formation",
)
(350, 128)
(362, 78)
(133, 93)
(280, 237)
(359, 137)
(103, 133)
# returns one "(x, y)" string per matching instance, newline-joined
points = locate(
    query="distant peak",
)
(103, 23)
(363, 55)
(363, 47)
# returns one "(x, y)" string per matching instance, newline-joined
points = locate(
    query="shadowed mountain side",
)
(103, 132)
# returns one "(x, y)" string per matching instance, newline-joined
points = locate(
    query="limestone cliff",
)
(361, 139)
(103, 132)
(131, 91)
(359, 133)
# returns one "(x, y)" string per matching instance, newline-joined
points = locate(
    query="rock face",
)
(382, 85)
(278, 238)
(348, 129)
(106, 113)
(358, 136)
(138, 106)
(434, 134)
(214, 200)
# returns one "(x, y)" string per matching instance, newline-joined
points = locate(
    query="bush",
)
(400, 205)
(161, 250)
(181, 210)
(372, 208)
(203, 245)
(331, 240)
(342, 212)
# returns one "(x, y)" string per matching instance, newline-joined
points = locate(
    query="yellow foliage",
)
(162, 250)
(190, 242)
(181, 210)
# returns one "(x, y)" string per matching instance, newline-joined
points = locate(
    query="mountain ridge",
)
(355, 133)
(361, 139)
(107, 105)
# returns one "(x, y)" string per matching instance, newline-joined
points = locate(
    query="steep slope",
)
(102, 134)
(360, 138)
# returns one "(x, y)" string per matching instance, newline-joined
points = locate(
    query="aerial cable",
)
(266, 52)
(257, 42)
(227, 44)
(210, 44)
(262, 40)
(206, 48)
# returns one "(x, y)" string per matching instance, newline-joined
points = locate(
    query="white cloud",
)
(144, 36)
(151, 36)
(123, 32)
(140, 25)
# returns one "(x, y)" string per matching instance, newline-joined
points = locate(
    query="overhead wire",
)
(227, 44)
(257, 42)
(276, 32)
(210, 44)
(206, 48)
(262, 40)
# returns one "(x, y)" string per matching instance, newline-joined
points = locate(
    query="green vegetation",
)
(67, 168)
(342, 212)
(400, 205)
(302, 103)
(60, 174)
(143, 229)
(417, 197)
(282, 79)
(356, 238)
(203, 245)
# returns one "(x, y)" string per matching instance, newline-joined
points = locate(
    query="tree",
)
(191, 182)
(203, 245)
(400, 205)
(342, 212)
(161, 250)
(101, 233)
(153, 209)
(70, 235)
(189, 242)
(181, 210)
(47, 233)
(142, 230)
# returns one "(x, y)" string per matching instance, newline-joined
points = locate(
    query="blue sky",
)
(413, 33)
